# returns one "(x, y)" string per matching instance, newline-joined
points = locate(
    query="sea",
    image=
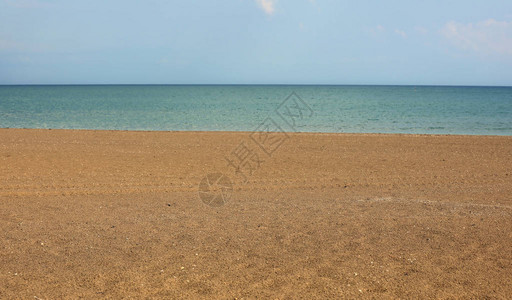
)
(467, 110)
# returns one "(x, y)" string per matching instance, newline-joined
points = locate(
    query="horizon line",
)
(247, 84)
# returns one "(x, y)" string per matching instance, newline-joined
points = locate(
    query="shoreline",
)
(249, 132)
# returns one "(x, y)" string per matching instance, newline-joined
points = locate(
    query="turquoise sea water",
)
(357, 109)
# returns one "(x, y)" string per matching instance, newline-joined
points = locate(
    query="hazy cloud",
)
(375, 31)
(401, 33)
(267, 6)
(487, 37)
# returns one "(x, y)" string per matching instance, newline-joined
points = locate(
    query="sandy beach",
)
(111, 214)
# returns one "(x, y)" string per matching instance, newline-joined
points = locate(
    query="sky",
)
(449, 42)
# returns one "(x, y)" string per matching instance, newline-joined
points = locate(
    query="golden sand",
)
(118, 214)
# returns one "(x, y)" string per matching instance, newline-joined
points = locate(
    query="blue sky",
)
(449, 42)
